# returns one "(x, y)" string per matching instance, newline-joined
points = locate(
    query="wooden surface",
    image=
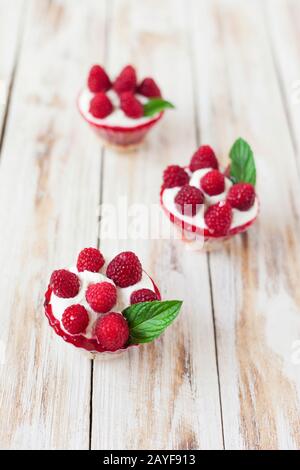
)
(227, 373)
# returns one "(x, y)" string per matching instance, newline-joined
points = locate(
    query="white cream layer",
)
(117, 117)
(86, 278)
(239, 218)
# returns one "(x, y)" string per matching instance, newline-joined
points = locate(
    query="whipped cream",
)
(239, 218)
(86, 278)
(117, 118)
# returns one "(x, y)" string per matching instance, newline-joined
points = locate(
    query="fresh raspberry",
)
(142, 295)
(100, 106)
(98, 79)
(213, 183)
(101, 296)
(126, 81)
(218, 218)
(241, 196)
(90, 259)
(149, 88)
(125, 269)
(75, 319)
(175, 175)
(112, 331)
(64, 283)
(204, 157)
(131, 105)
(188, 200)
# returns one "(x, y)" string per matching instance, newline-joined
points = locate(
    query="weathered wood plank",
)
(255, 278)
(10, 34)
(49, 196)
(163, 395)
(282, 21)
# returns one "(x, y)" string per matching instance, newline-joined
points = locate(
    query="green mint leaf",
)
(156, 105)
(148, 320)
(242, 166)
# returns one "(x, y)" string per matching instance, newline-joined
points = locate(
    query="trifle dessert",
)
(123, 110)
(208, 205)
(105, 308)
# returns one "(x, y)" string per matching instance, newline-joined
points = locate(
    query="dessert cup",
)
(121, 111)
(209, 206)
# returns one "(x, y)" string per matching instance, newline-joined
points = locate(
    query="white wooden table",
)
(227, 374)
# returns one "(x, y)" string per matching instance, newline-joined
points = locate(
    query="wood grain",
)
(254, 280)
(163, 395)
(10, 35)
(49, 196)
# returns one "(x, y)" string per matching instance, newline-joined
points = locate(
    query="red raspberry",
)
(149, 88)
(175, 175)
(125, 269)
(241, 196)
(112, 331)
(213, 183)
(64, 283)
(188, 200)
(218, 218)
(101, 296)
(126, 81)
(131, 105)
(204, 157)
(75, 319)
(142, 295)
(90, 259)
(100, 106)
(98, 79)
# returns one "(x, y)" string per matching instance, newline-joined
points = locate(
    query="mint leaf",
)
(155, 105)
(242, 166)
(147, 320)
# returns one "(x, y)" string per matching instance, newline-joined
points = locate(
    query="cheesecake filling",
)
(117, 118)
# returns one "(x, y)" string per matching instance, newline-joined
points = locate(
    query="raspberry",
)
(241, 196)
(98, 79)
(125, 269)
(112, 331)
(101, 296)
(218, 218)
(64, 283)
(100, 106)
(149, 88)
(90, 259)
(174, 176)
(204, 157)
(142, 295)
(188, 200)
(131, 105)
(126, 81)
(213, 183)
(75, 319)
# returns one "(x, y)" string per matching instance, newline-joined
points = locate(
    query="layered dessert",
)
(106, 307)
(207, 204)
(121, 111)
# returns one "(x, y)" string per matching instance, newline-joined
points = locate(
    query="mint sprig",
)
(148, 320)
(156, 105)
(242, 166)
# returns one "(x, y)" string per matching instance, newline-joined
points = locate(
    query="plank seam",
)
(197, 135)
(13, 73)
(282, 93)
(108, 6)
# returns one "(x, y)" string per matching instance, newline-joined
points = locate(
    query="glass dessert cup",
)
(121, 138)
